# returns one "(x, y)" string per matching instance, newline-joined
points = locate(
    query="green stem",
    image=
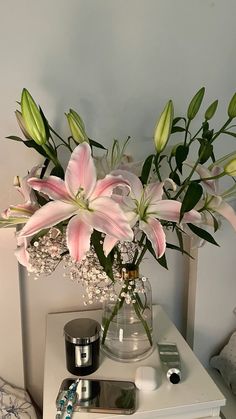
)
(140, 258)
(157, 158)
(138, 306)
(136, 251)
(117, 307)
(51, 156)
(221, 129)
(186, 132)
(144, 323)
(58, 136)
(193, 138)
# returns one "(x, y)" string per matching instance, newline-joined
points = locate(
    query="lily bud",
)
(232, 107)
(21, 124)
(210, 112)
(33, 120)
(163, 127)
(77, 127)
(16, 181)
(230, 167)
(195, 104)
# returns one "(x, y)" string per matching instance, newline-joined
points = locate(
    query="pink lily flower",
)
(214, 200)
(146, 206)
(82, 199)
(20, 214)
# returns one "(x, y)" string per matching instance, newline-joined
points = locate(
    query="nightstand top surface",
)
(195, 393)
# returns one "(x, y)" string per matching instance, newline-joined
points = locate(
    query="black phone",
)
(101, 396)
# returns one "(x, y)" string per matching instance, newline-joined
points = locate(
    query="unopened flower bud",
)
(195, 104)
(163, 127)
(232, 107)
(32, 117)
(230, 167)
(16, 181)
(77, 127)
(21, 124)
(210, 112)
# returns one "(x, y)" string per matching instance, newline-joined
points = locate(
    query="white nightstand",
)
(195, 397)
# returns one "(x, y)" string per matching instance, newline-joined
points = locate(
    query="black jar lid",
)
(82, 331)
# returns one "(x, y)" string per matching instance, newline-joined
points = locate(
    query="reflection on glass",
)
(102, 396)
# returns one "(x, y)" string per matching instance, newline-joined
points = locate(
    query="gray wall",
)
(117, 63)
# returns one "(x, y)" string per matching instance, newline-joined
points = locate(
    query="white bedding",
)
(229, 410)
(15, 403)
(225, 363)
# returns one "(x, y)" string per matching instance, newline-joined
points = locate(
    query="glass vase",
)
(127, 321)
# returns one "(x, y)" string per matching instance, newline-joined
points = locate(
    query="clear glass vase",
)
(127, 321)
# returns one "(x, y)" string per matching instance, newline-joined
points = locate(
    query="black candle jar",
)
(82, 342)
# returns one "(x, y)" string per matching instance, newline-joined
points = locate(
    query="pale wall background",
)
(117, 63)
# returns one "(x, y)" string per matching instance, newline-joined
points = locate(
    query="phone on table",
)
(101, 396)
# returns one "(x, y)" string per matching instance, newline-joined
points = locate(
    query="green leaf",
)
(46, 125)
(162, 260)
(206, 132)
(146, 169)
(177, 129)
(180, 239)
(178, 119)
(232, 107)
(203, 234)
(195, 104)
(216, 224)
(179, 249)
(205, 127)
(41, 233)
(191, 198)
(233, 134)
(40, 199)
(210, 112)
(58, 171)
(96, 144)
(15, 138)
(37, 147)
(44, 168)
(106, 262)
(175, 177)
(181, 154)
(205, 151)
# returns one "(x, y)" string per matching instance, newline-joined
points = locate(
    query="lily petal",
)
(154, 192)
(81, 172)
(108, 244)
(25, 190)
(78, 238)
(53, 187)
(22, 254)
(227, 212)
(155, 233)
(170, 210)
(104, 187)
(128, 206)
(106, 216)
(134, 182)
(21, 210)
(210, 185)
(47, 216)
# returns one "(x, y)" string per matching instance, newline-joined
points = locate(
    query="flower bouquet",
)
(102, 213)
